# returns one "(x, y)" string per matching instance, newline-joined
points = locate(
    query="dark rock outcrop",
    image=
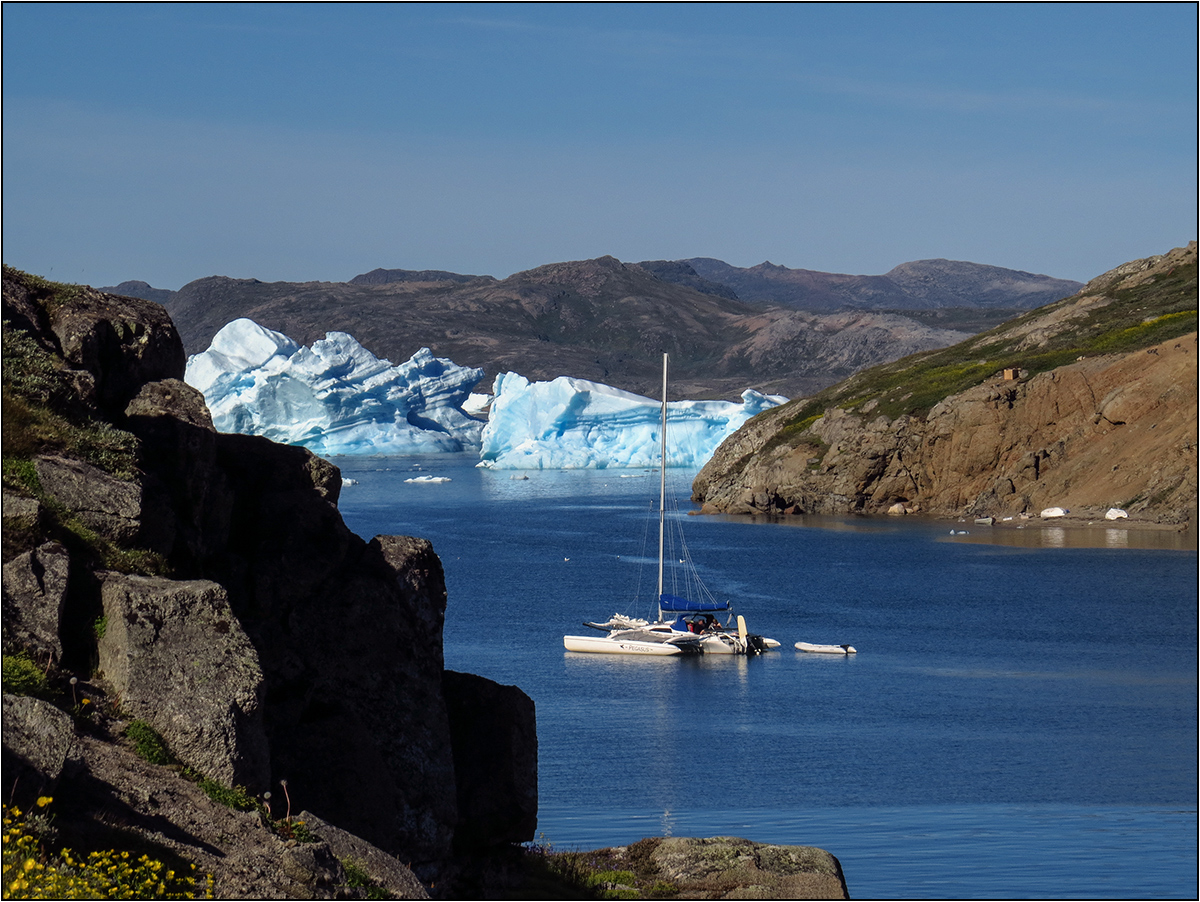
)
(267, 642)
(493, 750)
(122, 342)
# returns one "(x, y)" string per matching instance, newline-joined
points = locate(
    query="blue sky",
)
(168, 142)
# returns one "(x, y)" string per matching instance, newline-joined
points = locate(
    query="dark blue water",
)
(1020, 720)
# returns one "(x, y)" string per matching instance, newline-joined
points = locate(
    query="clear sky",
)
(167, 142)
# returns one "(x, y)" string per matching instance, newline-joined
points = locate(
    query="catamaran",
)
(695, 627)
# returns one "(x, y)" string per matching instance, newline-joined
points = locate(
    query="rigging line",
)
(640, 569)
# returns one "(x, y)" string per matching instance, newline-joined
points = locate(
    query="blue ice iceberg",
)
(335, 397)
(574, 424)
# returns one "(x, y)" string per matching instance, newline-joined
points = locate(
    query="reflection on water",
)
(1081, 536)
(1019, 534)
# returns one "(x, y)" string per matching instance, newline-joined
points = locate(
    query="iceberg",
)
(575, 424)
(335, 397)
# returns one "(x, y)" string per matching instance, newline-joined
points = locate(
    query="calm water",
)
(1020, 720)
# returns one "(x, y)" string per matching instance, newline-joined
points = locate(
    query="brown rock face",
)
(1112, 431)
(1107, 419)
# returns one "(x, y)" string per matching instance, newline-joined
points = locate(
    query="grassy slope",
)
(1162, 307)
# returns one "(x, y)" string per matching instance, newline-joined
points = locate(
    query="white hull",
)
(606, 646)
(827, 649)
(730, 644)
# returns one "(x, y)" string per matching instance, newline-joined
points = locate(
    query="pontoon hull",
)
(606, 646)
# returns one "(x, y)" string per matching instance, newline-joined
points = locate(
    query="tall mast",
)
(662, 485)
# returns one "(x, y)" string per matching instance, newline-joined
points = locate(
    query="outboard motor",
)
(755, 645)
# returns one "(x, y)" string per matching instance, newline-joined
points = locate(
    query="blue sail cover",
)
(675, 604)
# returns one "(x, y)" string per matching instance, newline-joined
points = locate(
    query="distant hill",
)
(143, 290)
(680, 273)
(922, 284)
(386, 276)
(1097, 409)
(608, 321)
(600, 319)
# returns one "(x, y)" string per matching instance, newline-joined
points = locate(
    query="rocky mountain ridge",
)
(601, 320)
(1097, 409)
(918, 285)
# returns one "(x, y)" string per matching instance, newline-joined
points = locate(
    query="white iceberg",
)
(575, 424)
(335, 397)
(1115, 513)
(1050, 513)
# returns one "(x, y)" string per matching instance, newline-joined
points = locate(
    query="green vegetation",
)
(236, 797)
(1161, 308)
(605, 874)
(22, 677)
(31, 871)
(357, 877)
(148, 744)
(43, 412)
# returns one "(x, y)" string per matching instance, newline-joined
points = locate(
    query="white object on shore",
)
(1052, 512)
(1115, 513)
(827, 649)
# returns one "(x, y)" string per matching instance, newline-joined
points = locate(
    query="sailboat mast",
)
(662, 485)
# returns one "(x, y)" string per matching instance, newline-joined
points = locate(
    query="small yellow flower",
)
(43, 801)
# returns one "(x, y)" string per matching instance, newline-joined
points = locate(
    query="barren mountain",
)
(1085, 404)
(922, 284)
(600, 319)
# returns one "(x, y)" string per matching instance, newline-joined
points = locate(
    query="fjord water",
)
(1019, 721)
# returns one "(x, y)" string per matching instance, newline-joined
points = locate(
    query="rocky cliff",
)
(205, 585)
(1087, 404)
